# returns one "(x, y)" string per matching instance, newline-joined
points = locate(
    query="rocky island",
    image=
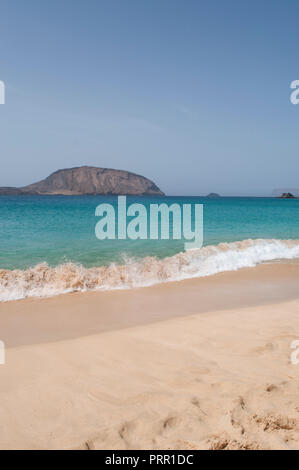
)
(287, 196)
(88, 180)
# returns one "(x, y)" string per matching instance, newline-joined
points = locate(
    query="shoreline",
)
(198, 364)
(44, 281)
(79, 314)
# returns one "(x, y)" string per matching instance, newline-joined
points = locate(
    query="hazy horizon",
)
(195, 97)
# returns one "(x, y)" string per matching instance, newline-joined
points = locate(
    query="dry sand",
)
(200, 364)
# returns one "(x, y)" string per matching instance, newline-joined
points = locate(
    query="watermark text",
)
(295, 94)
(295, 353)
(2, 92)
(2, 353)
(156, 222)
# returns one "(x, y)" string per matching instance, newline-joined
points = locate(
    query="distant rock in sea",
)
(279, 192)
(88, 180)
(213, 195)
(287, 196)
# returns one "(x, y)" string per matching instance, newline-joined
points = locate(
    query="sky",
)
(192, 94)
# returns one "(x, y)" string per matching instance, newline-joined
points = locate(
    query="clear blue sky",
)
(192, 94)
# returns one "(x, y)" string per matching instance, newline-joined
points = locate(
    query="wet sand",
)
(74, 315)
(202, 363)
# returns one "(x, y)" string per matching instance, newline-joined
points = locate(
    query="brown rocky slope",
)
(89, 180)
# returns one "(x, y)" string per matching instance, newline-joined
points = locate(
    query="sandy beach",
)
(149, 228)
(197, 364)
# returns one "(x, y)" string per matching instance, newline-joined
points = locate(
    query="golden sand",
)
(198, 364)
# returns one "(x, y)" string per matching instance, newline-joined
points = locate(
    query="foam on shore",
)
(45, 281)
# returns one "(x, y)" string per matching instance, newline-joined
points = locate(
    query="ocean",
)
(48, 244)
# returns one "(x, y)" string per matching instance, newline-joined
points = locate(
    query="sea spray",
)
(45, 281)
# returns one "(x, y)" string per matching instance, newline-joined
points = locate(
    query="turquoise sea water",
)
(60, 229)
(48, 244)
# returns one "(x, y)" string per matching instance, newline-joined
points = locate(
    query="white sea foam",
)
(46, 281)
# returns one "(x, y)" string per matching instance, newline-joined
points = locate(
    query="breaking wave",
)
(45, 281)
